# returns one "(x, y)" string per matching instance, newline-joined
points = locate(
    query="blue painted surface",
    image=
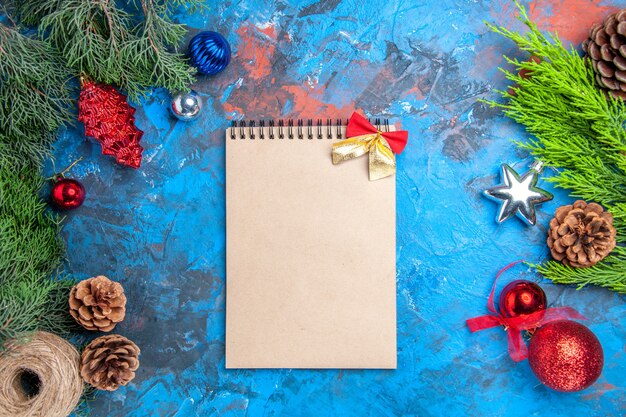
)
(160, 230)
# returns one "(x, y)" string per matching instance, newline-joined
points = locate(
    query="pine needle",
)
(129, 44)
(31, 250)
(36, 96)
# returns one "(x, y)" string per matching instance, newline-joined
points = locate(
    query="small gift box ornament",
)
(362, 137)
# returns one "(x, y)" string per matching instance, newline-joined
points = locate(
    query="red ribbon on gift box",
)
(515, 325)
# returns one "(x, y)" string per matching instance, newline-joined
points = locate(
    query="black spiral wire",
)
(294, 129)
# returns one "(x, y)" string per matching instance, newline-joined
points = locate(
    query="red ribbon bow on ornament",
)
(514, 325)
(363, 137)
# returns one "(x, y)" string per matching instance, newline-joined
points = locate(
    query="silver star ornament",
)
(519, 195)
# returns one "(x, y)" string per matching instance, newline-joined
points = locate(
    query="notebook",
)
(310, 252)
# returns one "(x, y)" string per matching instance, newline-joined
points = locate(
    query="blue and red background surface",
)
(160, 230)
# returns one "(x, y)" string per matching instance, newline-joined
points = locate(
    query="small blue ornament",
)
(209, 52)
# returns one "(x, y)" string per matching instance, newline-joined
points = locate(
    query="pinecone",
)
(98, 303)
(606, 47)
(581, 234)
(109, 361)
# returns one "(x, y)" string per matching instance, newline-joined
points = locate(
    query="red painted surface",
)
(571, 19)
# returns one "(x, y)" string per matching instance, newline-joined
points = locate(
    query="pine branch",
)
(619, 215)
(30, 244)
(131, 47)
(30, 12)
(30, 252)
(34, 304)
(577, 129)
(55, 318)
(33, 87)
(610, 273)
(28, 149)
(167, 7)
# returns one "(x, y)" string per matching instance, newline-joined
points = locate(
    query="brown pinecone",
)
(606, 47)
(109, 361)
(581, 234)
(98, 303)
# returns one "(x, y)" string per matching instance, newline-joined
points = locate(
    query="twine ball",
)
(51, 367)
(209, 52)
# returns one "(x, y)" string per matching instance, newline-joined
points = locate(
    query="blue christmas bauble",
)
(209, 52)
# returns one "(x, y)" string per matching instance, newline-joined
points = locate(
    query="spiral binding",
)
(292, 130)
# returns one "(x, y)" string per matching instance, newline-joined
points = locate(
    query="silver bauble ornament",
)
(186, 106)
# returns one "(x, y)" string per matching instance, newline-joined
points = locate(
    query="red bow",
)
(514, 325)
(362, 138)
(359, 125)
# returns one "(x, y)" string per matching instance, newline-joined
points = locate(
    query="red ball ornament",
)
(566, 356)
(67, 194)
(521, 297)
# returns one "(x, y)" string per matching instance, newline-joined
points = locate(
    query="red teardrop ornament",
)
(111, 121)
